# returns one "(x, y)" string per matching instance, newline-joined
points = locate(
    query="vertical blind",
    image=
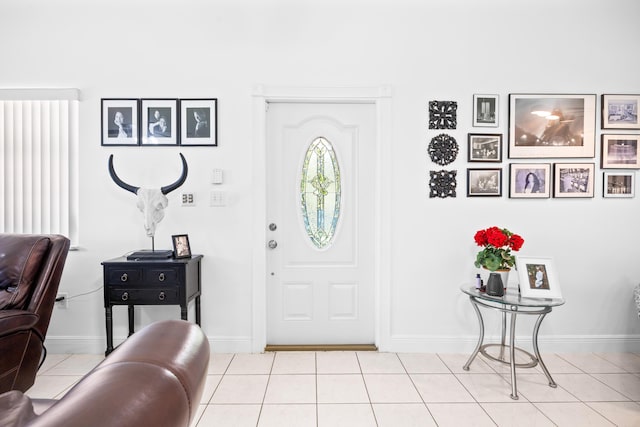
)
(39, 160)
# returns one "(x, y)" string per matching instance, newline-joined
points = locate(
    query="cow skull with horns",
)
(151, 201)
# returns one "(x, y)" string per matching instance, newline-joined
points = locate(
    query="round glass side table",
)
(511, 303)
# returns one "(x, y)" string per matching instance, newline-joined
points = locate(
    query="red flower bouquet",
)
(497, 243)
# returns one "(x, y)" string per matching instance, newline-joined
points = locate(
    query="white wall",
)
(425, 50)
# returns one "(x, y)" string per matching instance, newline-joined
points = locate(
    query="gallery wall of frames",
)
(159, 122)
(552, 145)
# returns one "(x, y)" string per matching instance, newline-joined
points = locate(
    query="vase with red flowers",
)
(496, 256)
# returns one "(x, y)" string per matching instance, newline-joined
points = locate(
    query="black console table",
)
(150, 282)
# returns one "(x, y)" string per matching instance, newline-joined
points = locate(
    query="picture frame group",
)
(159, 122)
(537, 278)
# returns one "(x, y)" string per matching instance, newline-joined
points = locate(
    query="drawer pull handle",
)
(161, 277)
(161, 296)
(125, 296)
(124, 277)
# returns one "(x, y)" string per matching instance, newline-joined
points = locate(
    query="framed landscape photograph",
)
(529, 180)
(549, 125)
(620, 111)
(199, 122)
(619, 184)
(485, 110)
(119, 121)
(573, 180)
(484, 182)
(159, 122)
(619, 152)
(484, 147)
(537, 278)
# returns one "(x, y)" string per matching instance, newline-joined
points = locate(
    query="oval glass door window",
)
(320, 192)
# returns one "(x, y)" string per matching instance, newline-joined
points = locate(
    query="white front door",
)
(320, 213)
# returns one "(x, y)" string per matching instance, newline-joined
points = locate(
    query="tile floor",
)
(396, 389)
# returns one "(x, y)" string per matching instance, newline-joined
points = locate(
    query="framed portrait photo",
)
(484, 182)
(181, 247)
(548, 125)
(199, 122)
(620, 111)
(619, 184)
(160, 122)
(573, 180)
(119, 121)
(485, 147)
(485, 110)
(529, 180)
(620, 152)
(537, 278)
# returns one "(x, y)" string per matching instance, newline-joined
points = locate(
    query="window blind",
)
(39, 148)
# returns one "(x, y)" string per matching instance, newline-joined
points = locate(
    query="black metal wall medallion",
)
(442, 183)
(443, 114)
(443, 149)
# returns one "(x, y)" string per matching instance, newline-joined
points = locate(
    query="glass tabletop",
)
(512, 297)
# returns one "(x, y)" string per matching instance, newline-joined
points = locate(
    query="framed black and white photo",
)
(485, 110)
(484, 182)
(160, 122)
(537, 277)
(119, 121)
(619, 184)
(181, 247)
(620, 111)
(548, 125)
(529, 180)
(486, 147)
(199, 122)
(619, 152)
(573, 180)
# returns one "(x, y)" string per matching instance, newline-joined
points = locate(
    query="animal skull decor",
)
(151, 201)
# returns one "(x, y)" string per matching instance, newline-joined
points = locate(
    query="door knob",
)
(272, 244)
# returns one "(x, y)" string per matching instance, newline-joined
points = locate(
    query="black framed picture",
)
(485, 110)
(159, 120)
(199, 122)
(484, 182)
(119, 121)
(485, 147)
(573, 180)
(620, 152)
(620, 111)
(529, 180)
(619, 184)
(181, 247)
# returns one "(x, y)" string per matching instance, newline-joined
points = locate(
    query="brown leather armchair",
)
(30, 271)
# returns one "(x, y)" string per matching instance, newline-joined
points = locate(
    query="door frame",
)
(380, 96)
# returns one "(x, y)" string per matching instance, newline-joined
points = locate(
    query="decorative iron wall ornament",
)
(442, 183)
(443, 114)
(443, 149)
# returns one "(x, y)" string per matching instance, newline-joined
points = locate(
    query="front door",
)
(320, 212)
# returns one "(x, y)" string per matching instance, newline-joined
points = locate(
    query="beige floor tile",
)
(242, 389)
(622, 414)
(455, 362)
(487, 387)
(288, 416)
(627, 384)
(199, 411)
(50, 361)
(423, 363)
(251, 364)
(440, 388)
(52, 386)
(76, 364)
(628, 361)
(291, 389)
(210, 386)
(588, 389)
(535, 388)
(343, 388)
(520, 414)
(294, 362)
(572, 414)
(391, 388)
(591, 363)
(345, 415)
(372, 362)
(230, 415)
(557, 365)
(337, 362)
(219, 362)
(403, 414)
(459, 414)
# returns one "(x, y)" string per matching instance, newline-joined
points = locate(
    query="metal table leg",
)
(536, 328)
(480, 339)
(512, 358)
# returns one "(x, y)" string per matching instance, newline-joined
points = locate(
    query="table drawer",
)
(159, 276)
(148, 296)
(122, 276)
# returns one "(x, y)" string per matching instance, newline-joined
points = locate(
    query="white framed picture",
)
(537, 278)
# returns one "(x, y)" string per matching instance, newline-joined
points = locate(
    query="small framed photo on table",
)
(181, 247)
(119, 121)
(485, 147)
(160, 122)
(199, 122)
(530, 180)
(537, 278)
(619, 184)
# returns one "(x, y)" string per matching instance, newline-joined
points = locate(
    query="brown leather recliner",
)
(30, 270)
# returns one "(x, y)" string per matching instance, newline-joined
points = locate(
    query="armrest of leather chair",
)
(12, 321)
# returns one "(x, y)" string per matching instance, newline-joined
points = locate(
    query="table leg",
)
(198, 310)
(480, 339)
(108, 317)
(183, 312)
(537, 352)
(504, 333)
(512, 358)
(131, 316)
